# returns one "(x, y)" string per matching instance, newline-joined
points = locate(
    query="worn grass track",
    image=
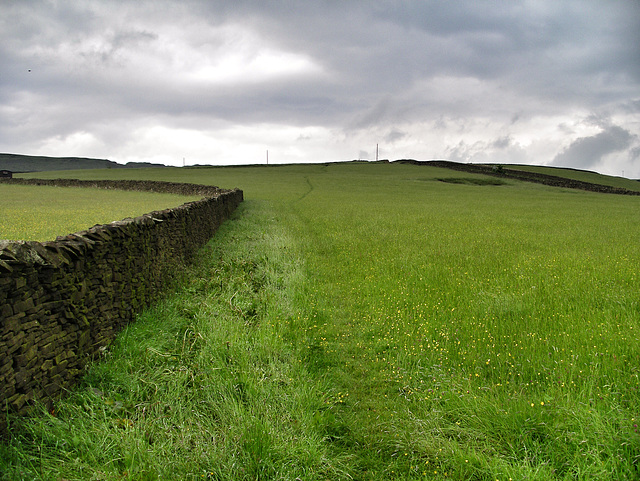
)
(372, 322)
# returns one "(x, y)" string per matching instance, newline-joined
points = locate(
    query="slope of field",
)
(370, 321)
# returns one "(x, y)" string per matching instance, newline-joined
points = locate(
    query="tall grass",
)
(373, 323)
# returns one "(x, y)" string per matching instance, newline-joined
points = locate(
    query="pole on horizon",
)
(376, 152)
(182, 161)
(267, 156)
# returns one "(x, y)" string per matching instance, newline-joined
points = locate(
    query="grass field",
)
(41, 213)
(367, 321)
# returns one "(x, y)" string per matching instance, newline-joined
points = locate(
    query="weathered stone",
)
(28, 355)
(24, 305)
(47, 350)
(27, 325)
(6, 311)
(61, 301)
(84, 340)
(17, 401)
(53, 305)
(22, 377)
(53, 388)
(14, 343)
(4, 266)
(48, 364)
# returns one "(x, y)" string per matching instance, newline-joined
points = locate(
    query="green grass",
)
(41, 213)
(372, 322)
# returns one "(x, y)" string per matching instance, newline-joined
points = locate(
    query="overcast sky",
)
(548, 82)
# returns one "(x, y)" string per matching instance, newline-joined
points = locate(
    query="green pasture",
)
(369, 321)
(41, 213)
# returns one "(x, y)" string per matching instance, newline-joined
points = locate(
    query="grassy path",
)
(208, 385)
(370, 322)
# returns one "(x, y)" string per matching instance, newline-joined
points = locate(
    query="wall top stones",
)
(137, 185)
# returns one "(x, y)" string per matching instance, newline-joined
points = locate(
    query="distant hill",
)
(34, 163)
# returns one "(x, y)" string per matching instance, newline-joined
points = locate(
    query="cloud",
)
(502, 142)
(220, 81)
(394, 135)
(463, 152)
(587, 152)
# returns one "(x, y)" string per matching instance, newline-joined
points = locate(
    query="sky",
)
(185, 82)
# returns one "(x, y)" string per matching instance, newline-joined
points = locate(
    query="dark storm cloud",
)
(587, 152)
(546, 45)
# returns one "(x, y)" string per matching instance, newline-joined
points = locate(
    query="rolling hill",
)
(31, 163)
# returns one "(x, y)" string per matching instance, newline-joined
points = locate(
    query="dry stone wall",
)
(525, 176)
(61, 302)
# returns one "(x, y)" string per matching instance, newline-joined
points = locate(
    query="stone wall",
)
(63, 301)
(539, 178)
